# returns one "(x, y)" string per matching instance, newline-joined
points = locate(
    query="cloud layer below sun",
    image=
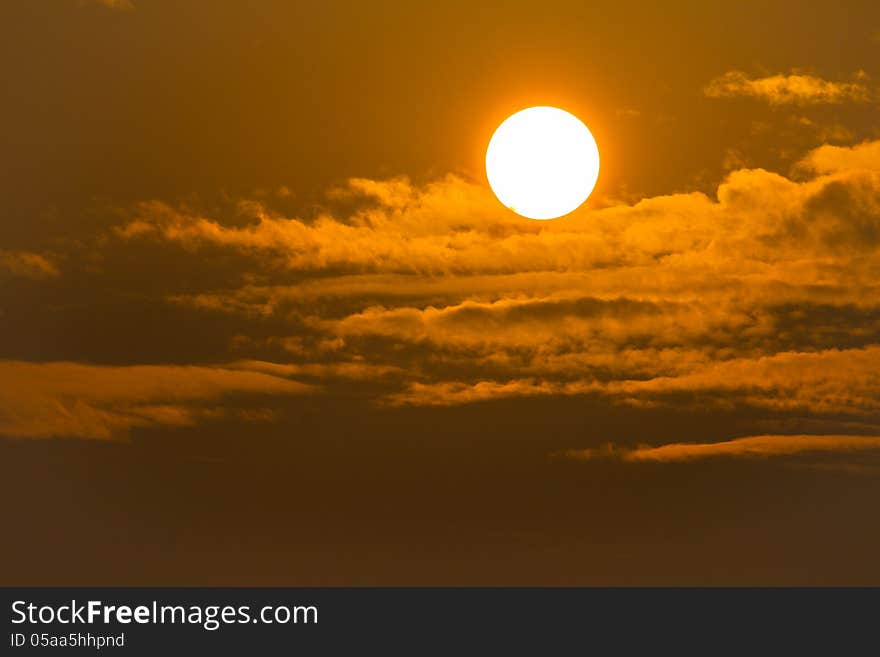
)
(762, 296)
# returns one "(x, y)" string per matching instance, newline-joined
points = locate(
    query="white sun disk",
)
(542, 162)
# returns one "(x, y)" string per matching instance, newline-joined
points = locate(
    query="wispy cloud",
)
(27, 264)
(41, 400)
(830, 382)
(750, 447)
(792, 89)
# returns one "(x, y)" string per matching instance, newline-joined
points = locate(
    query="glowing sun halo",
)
(542, 162)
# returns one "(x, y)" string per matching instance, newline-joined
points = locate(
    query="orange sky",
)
(257, 297)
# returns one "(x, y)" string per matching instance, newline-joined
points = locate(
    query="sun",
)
(542, 162)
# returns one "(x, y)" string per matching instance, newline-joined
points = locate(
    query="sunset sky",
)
(263, 321)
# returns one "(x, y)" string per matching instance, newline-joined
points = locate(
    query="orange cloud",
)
(355, 371)
(830, 382)
(750, 447)
(455, 228)
(764, 294)
(26, 264)
(794, 89)
(831, 159)
(41, 400)
(451, 393)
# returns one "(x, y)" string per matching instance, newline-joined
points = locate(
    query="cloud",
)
(831, 382)
(762, 295)
(523, 321)
(449, 225)
(750, 447)
(793, 89)
(26, 264)
(831, 159)
(454, 227)
(354, 371)
(65, 399)
(825, 133)
(451, 393)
